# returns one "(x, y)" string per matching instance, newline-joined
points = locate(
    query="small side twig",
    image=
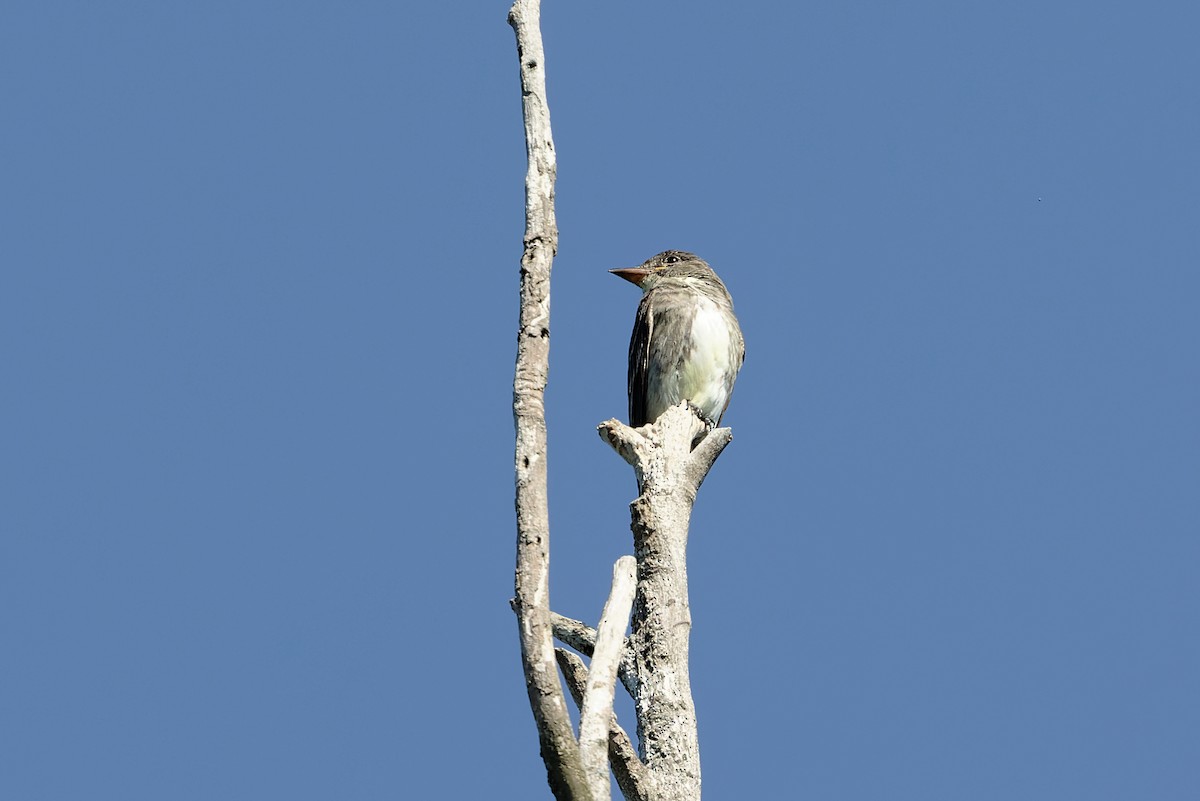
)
(582, 638)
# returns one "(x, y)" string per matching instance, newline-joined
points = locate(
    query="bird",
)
(686, 344)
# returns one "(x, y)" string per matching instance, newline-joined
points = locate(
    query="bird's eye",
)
(671, 259)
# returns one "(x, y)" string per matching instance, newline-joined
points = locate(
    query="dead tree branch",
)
(669, 473)
(582, 638)
(560, 751)
(595, 715)
(632, 776)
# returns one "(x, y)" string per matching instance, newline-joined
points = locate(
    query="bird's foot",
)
(708, 421)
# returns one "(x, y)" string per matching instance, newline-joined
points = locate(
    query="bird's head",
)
(667, 265)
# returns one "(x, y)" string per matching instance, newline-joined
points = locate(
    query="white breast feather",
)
(703, 379)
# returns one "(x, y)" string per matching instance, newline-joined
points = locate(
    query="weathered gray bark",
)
(560, 750)
(669, 474)
(596, 711)
(632, 776)
(582, 638)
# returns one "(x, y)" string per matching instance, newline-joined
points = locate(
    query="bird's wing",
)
(639, 361)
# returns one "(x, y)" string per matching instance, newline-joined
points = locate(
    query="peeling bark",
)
(669, 473)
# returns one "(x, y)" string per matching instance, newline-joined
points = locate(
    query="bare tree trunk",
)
(669, 473)
(560, 750)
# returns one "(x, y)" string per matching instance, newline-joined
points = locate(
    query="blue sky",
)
(258, 324)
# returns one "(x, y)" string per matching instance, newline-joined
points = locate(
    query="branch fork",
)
(675, 452)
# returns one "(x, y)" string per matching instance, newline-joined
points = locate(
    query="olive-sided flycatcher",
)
(686, 342)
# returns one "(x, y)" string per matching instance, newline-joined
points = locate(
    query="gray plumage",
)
(686, 342)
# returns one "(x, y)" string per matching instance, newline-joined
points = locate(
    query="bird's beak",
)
(634, 275)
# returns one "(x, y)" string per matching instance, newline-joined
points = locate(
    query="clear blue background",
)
(257, 323)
